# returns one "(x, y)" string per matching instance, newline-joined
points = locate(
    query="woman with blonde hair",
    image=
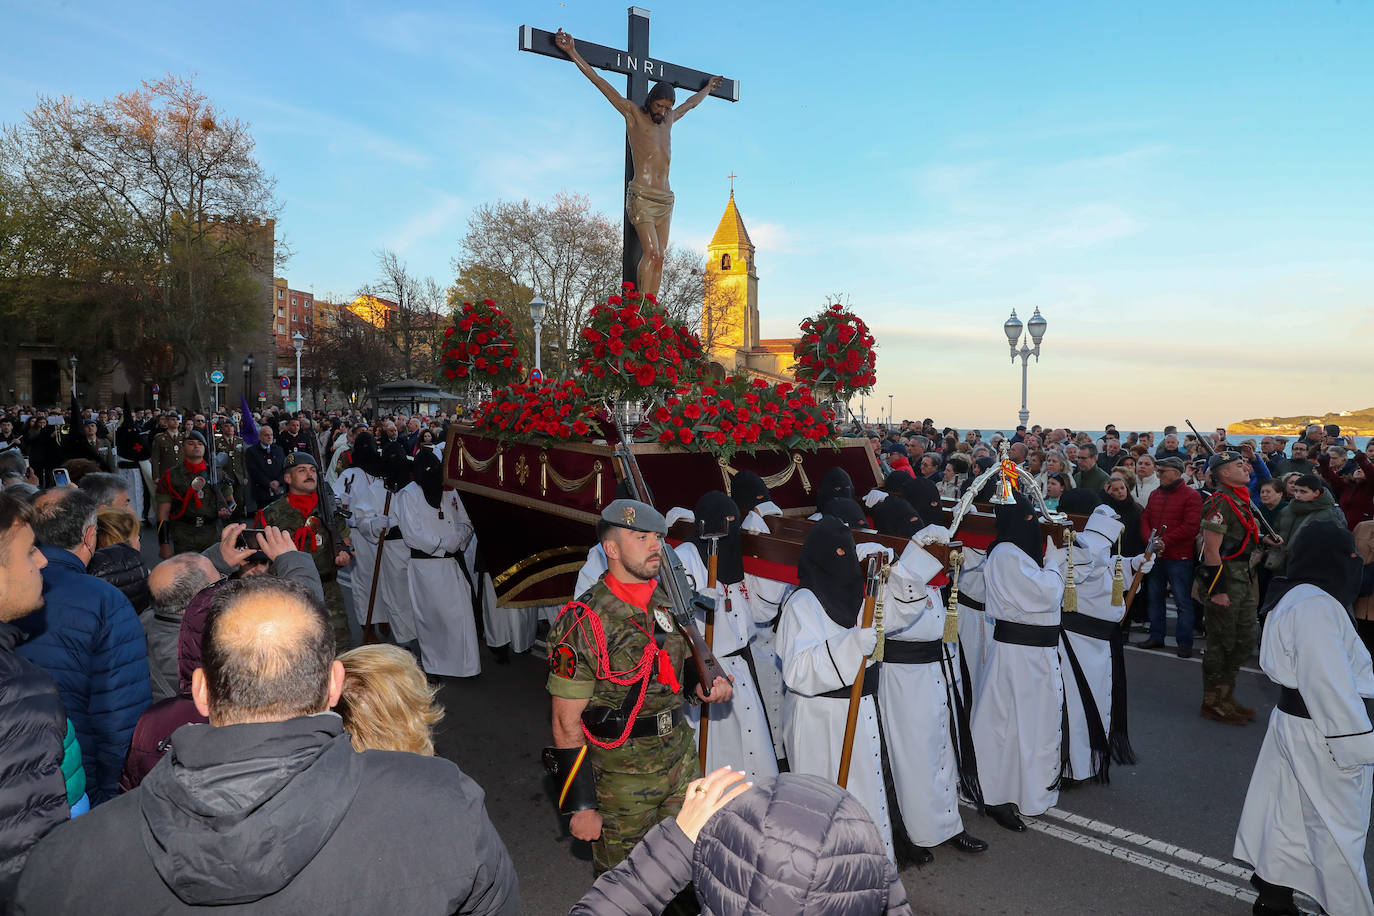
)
(387, 704)
(117, 558)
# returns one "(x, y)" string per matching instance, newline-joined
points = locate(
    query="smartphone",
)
(248, 539)
(61, 477)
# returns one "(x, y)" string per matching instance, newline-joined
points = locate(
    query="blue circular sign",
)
(216, 377)
(285, 382)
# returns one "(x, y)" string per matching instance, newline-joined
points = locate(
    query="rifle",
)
(1259, 516)
(1140, 573)
(673, 576)
(712, 562)
(851, 723)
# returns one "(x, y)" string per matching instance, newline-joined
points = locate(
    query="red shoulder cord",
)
(641, 672)
(184, 497)
(1247, 520)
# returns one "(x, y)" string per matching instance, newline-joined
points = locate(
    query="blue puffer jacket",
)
(88, 638)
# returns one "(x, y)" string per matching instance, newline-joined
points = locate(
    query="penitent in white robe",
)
(915, 711)
(975, 627)
(767, 596)
(1093, 568)
(1306, 815)
(439, 590)
(355, 492)
(818, 655)
(739, 734)
(1017, 712)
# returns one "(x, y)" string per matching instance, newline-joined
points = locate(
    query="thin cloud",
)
(428, 223)
(339, 134)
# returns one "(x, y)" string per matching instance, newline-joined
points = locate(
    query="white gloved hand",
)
(374, 525)
(1055, 557)
(934, 534)
(866, 638)
(869, 548)
(1145, 565)
(874, 497)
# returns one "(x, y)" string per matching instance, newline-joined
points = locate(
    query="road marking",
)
(1150, 843)
(1159, 653)
(1134, 857)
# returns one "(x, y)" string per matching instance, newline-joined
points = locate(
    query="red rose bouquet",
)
(539, 412)
(836, 352)
(480, 346)
(741, 415)
(631, 350)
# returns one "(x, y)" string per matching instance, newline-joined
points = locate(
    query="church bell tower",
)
(730, 314)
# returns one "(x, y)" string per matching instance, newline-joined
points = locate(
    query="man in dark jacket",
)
(33, 795)
(173, 584)
(88, 638)
(268, 809)
(265, 462)
(1173, 513)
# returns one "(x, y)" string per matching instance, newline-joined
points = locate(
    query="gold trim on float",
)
(541, 577)
(773, 480)
(466, 457)
(525, 502)
(566, 484)
(532, 560)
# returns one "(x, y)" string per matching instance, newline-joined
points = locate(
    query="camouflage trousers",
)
(187, 538)
(633, 802)
(333, 601)
(1230, 634)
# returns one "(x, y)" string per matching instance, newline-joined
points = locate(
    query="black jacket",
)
(122, 566)
(279, 817)
(33, 794)
(263, 468)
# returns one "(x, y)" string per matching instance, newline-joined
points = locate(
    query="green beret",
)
(634, 515)
(298, 458)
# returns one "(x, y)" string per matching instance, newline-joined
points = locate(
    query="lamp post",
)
(73, 362)
(298, 341)
(889, 412)
(1030, 346)
(537, 309)
(247, 375)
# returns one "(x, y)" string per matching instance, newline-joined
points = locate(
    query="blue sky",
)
(1183, 189)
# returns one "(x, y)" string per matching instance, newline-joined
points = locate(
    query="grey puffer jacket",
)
(838, 861)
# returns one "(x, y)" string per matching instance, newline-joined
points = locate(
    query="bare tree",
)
(157, 192)
(569, 256)
(414, 322)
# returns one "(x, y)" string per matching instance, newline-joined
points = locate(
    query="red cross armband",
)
(573, 783)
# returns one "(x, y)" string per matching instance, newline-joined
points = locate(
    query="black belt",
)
(392, 534)
(1026, 634)
(1291, 702)
(1088, 625)
(421, 555)
(870, 685)
(194, 521)
(659, 725)
(968, 602)
(905, 652)
(126, 465)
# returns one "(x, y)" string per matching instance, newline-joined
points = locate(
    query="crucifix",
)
(649, 117)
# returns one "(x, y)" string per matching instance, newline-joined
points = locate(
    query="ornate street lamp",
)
(247, 376)
(1030, 346)
(73, 362)
(298, 341)
(537, 308)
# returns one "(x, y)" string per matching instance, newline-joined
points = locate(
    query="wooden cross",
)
(638, 68)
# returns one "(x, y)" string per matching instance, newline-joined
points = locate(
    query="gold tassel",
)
(1118, 581)
(951, 634)
(878, 653)
(1070, 590)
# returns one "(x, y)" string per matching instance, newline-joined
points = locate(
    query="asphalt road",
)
(1158, 839)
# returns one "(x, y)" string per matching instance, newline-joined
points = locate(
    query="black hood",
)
(834, 483)
(1016, 525)
(130, 444)
(366, 457)
(829, 568)
(429, 474)
(1081, 501)
(749, 491)
(847, 511)
(897, 516)
(235, 812)
(924, 497)
(1321, 554)
(896, 481)
(715, 512)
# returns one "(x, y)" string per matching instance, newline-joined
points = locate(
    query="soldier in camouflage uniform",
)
(314, 523)
(1226, 584)
(189, 509)
(235, 466)
(622, 755)
(166, 448)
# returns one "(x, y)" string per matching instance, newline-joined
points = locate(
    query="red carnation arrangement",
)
(836, 352)
(631, 349)
(480, 346)
(540, 412)
(738, 414)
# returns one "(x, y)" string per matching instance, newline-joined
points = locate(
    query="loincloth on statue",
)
(647, 205)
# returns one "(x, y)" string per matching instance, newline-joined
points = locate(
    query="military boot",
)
(1214, 709)
(1228, 699)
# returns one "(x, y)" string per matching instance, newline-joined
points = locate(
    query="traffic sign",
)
(285, 383)
(216, 377)
(536, 375)
(156, 389)
(262, 395)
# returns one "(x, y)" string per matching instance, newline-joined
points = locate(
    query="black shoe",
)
(1006, 816)
(1185, 651)
(1150, 643)
(502, 654)
(967, 842)
(920, 856)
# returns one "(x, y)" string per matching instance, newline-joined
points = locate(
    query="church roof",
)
(731, 232)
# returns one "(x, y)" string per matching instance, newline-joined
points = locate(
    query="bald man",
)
(173, 583)
(268, 807)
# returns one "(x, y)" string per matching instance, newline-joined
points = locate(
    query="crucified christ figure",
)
(648, 199)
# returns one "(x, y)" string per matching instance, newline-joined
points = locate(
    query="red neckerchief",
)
(304, 503)
(190, 494)
(637, 595)
(198, 468)
(1247, 519)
